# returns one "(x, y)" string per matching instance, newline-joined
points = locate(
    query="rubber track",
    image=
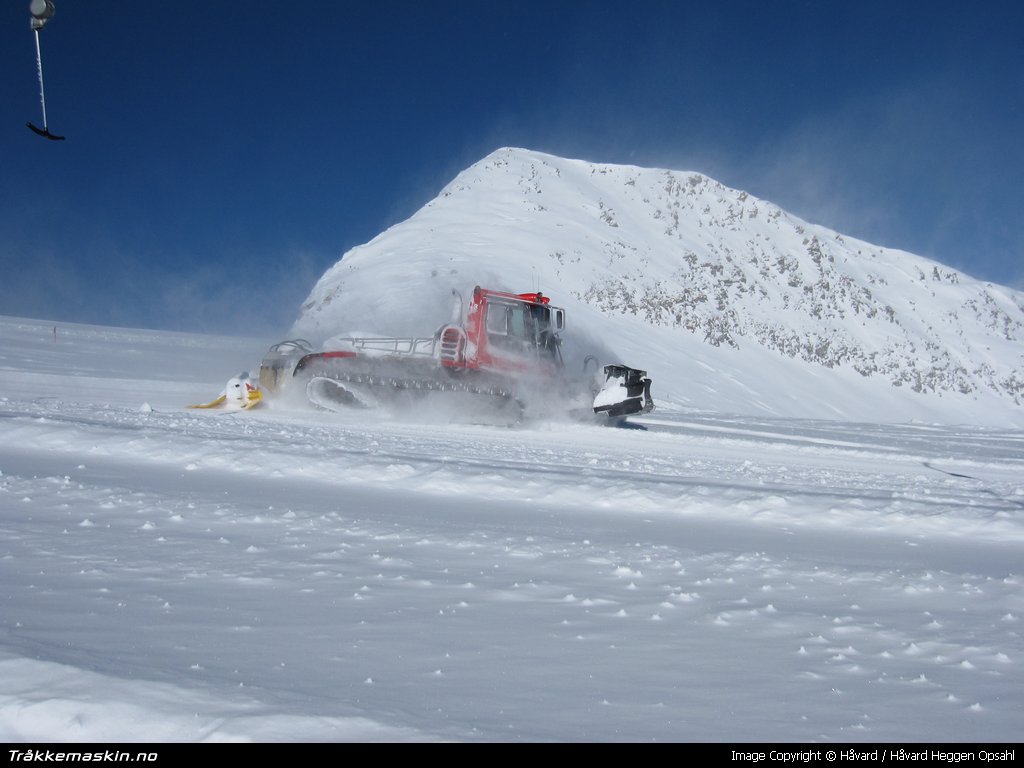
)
(412, 384)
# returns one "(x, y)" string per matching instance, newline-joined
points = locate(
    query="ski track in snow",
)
(290, 575)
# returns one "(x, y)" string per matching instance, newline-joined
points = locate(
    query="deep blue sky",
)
(215, 165)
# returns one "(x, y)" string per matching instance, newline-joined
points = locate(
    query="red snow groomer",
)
(500, 355)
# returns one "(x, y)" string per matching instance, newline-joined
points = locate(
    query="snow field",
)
(292, 575)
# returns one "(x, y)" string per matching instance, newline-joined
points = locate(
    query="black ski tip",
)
(45, 133)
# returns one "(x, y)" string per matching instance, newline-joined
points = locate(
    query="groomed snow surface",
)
(286, 574)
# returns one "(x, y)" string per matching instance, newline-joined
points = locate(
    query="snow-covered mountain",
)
(731, 303)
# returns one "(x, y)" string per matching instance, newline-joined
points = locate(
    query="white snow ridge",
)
(790, 548)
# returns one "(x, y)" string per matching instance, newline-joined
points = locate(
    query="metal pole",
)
(39, 68)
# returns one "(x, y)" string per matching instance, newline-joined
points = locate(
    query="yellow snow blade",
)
(216, 403)
(252, 399)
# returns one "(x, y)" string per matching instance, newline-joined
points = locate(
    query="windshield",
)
(510, 320)
(520, 327)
